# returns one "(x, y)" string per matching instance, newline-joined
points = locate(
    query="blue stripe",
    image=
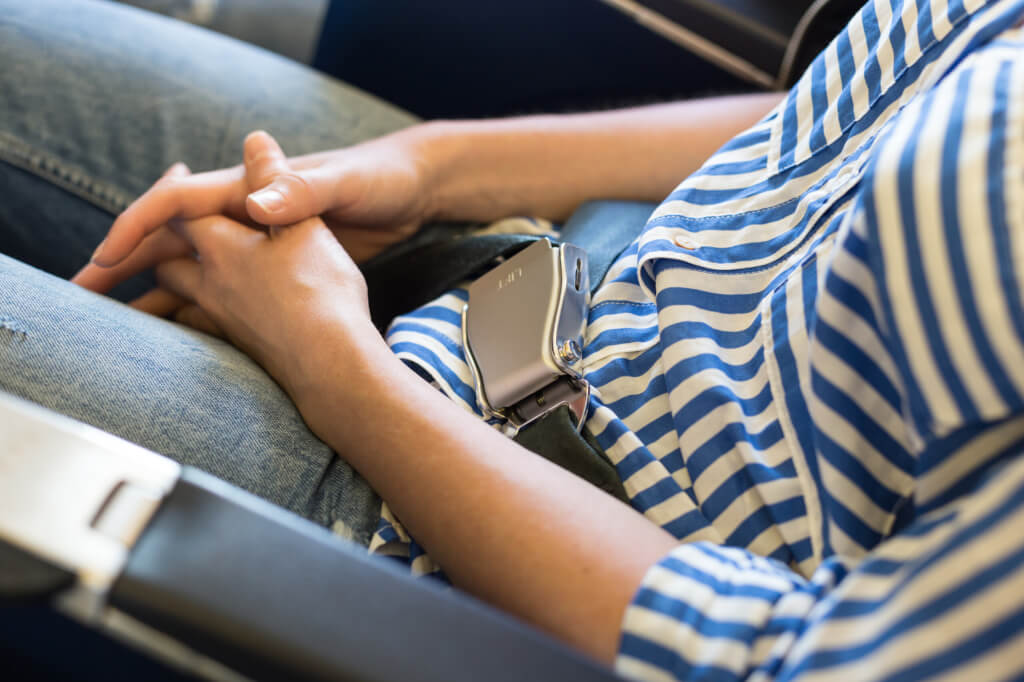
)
(715, 396)
(656, 493)
(905, 180)
(407, 324)
(654, 430)
(747, 140)
(686, 525)
(703, 362)
(995, 370)
(1003, 244)
(796, 404)
(766, 517)
(734, 168)
(625, 406)
(458, 386)
(730, 304)
(819, 102)
(620, 336)
(847, 69)
(671, 661)
(741, 481)
(848, 292)
(790, 127)
(708, 452)
(688, 329)
(925, 33)
(850, 411)
(860, 362)
(873, 68)
(631, 463)
(625, 367)
(435, 312)
(809, 281)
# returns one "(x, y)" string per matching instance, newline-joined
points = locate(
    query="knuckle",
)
(299, 184)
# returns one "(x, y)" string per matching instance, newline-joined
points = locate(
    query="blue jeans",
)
(96, 101)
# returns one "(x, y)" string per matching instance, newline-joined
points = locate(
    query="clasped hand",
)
(271, 291)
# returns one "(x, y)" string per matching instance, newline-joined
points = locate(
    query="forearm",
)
(505, 524)
(548, 165)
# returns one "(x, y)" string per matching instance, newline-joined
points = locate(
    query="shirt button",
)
(685, 243)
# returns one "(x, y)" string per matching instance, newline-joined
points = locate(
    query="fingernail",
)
(92, 259)
(270, 200)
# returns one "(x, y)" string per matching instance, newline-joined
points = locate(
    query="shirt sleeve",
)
(942, 597)
(704, 612)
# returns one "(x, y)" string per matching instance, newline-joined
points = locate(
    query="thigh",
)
(172, 390)
(97, 99)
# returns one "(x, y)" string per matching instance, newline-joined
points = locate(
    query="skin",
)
(505, 524)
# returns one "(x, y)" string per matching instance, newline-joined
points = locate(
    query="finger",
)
(212, 235)
(193, 316)
(157, 247)
(264, 160)
(159, 302)
(181, 277)
(293, 196)
(217, 192)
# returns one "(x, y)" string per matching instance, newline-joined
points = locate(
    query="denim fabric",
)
(96, 101)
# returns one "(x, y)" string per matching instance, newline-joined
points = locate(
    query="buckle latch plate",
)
(523, 334)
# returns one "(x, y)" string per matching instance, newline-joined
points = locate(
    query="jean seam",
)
(62, 174)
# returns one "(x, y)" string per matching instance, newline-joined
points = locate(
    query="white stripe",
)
(883, 11)
(941, 25)
(901, 294)
(634, 668)
(928, 189)
(1009, 345)
(833, 89)
(973, 456)
(839, 373)
(912, 42)
(858, 85)
(804, 116)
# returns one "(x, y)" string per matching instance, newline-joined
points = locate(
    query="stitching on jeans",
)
(10, 324)
(66, 176)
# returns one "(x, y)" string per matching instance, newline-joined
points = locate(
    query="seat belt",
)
(417, 272)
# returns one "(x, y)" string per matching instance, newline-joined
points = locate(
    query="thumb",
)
(280, 196)
(264, 160)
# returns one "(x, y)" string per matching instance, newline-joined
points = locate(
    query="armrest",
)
(173, 559)
(275, 597)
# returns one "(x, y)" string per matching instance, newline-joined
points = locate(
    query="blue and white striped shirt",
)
(810, 370)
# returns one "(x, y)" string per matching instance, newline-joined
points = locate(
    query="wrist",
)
(441, 151)
(336, 377)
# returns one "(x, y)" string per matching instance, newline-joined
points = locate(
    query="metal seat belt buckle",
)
(522, 329)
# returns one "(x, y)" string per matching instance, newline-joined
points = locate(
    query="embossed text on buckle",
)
(523, 334)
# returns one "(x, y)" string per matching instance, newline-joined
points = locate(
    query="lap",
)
(99, 99)
(170, 389)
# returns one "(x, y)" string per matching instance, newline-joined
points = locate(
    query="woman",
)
(774, 390)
